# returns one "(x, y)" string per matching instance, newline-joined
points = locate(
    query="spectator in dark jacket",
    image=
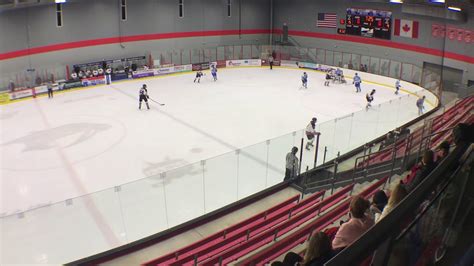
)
(292, 259)
(442, 151)
(379, 202)
(427, 165)
(319, 250)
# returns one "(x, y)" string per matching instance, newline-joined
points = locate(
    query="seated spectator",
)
(397, 195)
(442, 151)
(426, 166)
(378, 204)
(356, 226)
(292, 259)
(319, 250)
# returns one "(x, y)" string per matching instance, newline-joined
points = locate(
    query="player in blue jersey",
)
(397, 86)
(214, 72)
(304, 80)
(357, 81)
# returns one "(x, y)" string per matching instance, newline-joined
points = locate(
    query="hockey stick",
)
(156, 102)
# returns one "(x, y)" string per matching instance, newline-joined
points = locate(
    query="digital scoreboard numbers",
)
(368, 23)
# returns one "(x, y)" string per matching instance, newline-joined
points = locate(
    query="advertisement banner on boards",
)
(200, 66)
(247, 62)
(69, 85)
(21, 94)
(93, 81)
(289, 63)
(41, 89)
(142, 73)
(163, 70)
(183, 68)
(221, 63)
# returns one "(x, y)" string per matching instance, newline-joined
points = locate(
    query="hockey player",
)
(304, 80)
(420, 104)
(49, 86)
(328, 79)
(199, 74)
(214, 72)
(397, 86)
(143, 96)
(339, 75)
(369, 98)
(357, 81)
(270, 61)
(311, 132)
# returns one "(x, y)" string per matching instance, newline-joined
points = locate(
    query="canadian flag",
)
(406, 28)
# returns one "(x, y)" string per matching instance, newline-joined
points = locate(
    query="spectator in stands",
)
(426, 166)
(292, 259)
(397, 195)
(356, 226)
(319, 250)
(351, 66)
(379, 202)
(11, 85)
(442, 151)
(291, 164)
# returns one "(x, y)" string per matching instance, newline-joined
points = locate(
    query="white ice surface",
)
(92, 139)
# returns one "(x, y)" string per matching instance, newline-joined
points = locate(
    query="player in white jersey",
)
(143, 96)
(397, 86)
(311, 132)
(369, 98)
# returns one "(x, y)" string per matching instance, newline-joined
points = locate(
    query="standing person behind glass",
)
(291, 164)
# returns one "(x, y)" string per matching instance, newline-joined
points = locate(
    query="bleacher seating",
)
(299, 237)
(460, 113)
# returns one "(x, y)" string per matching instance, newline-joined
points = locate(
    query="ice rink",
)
(96, 138)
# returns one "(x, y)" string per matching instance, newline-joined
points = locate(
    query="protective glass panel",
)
(416, 76)
(220, 180)
(166, 57)
(384, 67)
(91, 223)
(255, 51)
(238, 52)
(363, 126)
(184, 192)
(326, 141)
(176, 57)
(252, 172)
(346, 60)
(229, 52)
(388, 116)
(338, 59)
(355, 61)
(312, 55)
(247, 51)
(343, 131)
(329, 59)
(407, 72)
(221, 53)
(143, 207)
(320, 56)
(395, 69)
(185, 57)
(365, 61)
(374, 65)
(195, 56)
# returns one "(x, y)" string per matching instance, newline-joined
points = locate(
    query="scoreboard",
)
(368, 23)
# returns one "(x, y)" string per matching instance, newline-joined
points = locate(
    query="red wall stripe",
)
(172, 35)
(384, 43)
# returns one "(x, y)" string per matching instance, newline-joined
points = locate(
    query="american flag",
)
(326, 20)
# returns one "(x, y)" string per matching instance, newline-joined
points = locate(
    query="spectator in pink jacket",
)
(356, 226)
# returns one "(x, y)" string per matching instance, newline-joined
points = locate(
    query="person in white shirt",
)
(311, 132)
